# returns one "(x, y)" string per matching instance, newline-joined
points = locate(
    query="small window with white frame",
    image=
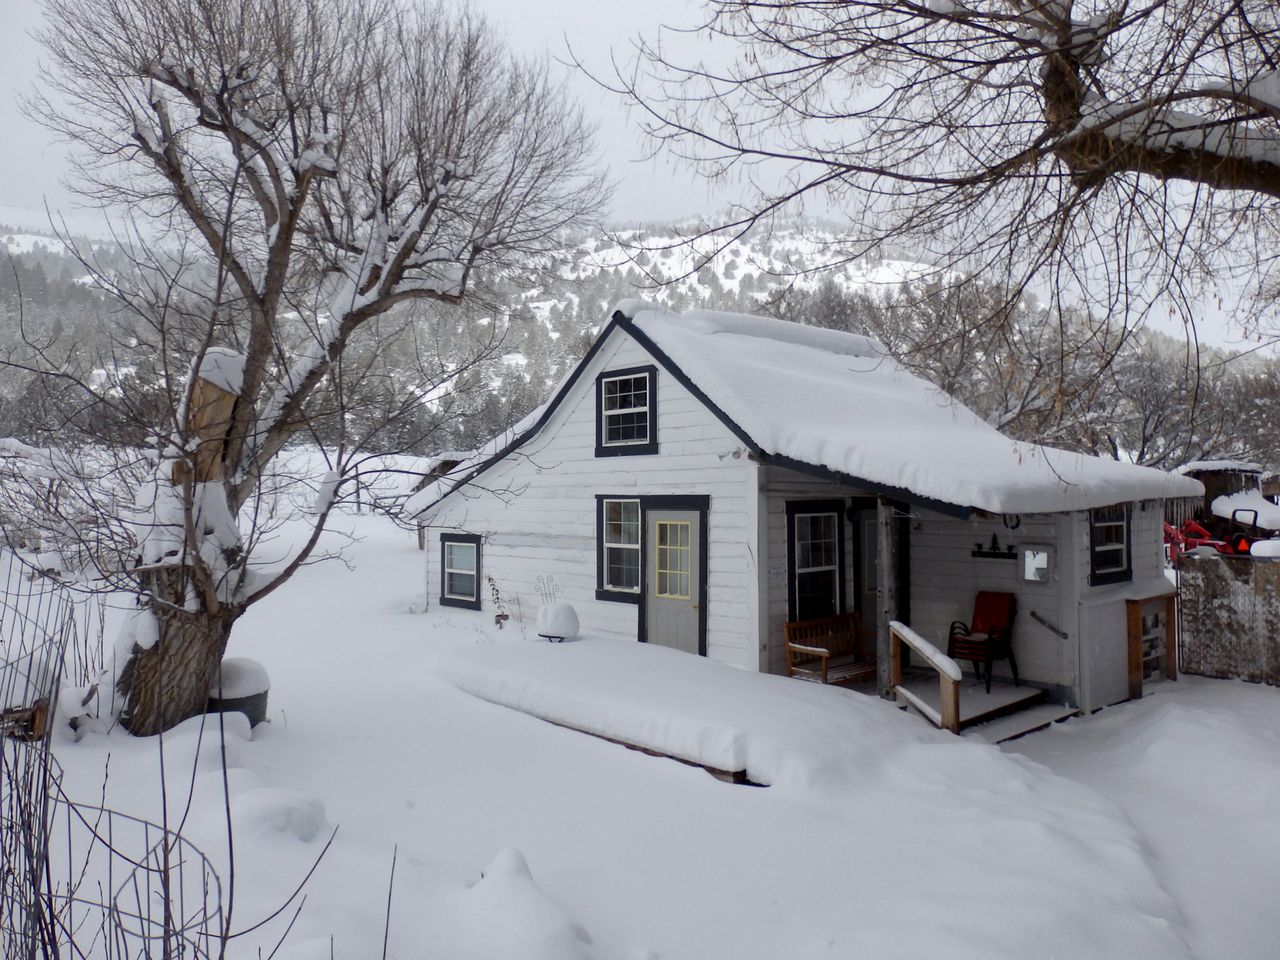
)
(460, 570)
(626, 412)
(619, 548)
(1109, 553)
(1037, 562)
(815, 559)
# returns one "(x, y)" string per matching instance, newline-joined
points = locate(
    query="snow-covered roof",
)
(469, 463)
(1242, 466)
(837, 401)
(837, 404)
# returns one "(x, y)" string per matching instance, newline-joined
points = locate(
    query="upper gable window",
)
(627, 412)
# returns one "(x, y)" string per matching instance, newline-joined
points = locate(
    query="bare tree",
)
(297, 169)
(1110, 153)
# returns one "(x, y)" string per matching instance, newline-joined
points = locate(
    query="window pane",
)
(626, 393)
(816, 545)
(460, 556)
(816, 594)
(460, 585)
(626, 427)
(622, 522)
(622, 568)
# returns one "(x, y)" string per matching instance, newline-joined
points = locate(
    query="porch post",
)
(886, 592)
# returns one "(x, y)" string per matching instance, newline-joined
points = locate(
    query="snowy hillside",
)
(660, 264)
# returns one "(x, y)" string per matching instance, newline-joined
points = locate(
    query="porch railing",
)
(947, 716)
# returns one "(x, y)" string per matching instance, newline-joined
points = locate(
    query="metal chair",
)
(988, 636)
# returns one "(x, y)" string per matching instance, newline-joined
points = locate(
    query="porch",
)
(943, 695)
(1007, 712)
(834, 549)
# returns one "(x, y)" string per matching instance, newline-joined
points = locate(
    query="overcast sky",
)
(32, 164)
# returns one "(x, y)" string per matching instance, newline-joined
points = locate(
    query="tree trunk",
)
(169, 682)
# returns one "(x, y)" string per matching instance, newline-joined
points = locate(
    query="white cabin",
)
(701, 478)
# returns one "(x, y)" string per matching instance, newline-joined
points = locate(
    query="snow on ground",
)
(880, 837)
(1196, 766)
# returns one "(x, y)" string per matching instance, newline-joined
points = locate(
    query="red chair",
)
(989, 637)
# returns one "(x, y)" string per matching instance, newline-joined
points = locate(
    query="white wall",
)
(1103, 626)
(540, 517)
(945, 578)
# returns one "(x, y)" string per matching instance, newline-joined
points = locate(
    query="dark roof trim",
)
(900, 494)
(620, 321)
(551, 407)
(682, 378)
(800, 466)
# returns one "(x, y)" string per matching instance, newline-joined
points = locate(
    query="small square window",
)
(626, 412)
(1037, 563)
(460, 570)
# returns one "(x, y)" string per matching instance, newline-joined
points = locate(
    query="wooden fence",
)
(1229, 616)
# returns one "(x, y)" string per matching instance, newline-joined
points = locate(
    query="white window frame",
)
(606, 413)
(607, 545)
(449, 544)
(833, 567)
(1122, 568)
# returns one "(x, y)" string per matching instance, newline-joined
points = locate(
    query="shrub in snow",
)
(557, 621)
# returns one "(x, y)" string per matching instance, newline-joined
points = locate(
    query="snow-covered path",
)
(916, 846)
(1196, 766)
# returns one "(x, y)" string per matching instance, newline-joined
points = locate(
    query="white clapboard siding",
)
(1101, 616)
(546, 527)
(1146, 543)
(1147, 540)
(945, 578)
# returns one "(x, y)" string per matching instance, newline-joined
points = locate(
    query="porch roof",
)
(837, 404)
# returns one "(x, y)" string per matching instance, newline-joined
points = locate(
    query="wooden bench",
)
(830, 649)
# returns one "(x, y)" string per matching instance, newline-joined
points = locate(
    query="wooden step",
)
(976, 704)
(1015, 725)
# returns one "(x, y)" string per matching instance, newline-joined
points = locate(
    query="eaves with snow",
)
(836, 405)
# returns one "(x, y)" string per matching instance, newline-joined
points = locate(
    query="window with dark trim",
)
(460, 570)
(815, 559)
(618, 554)
(627, 412)
(1109, 555)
